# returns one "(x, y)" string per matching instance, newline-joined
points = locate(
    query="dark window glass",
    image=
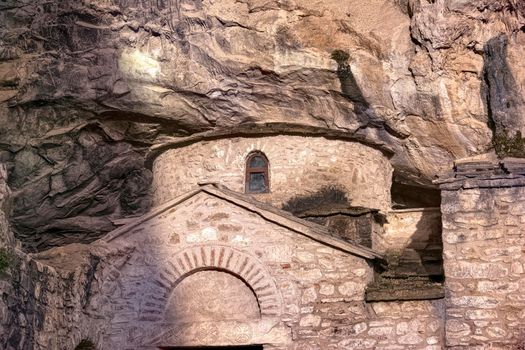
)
(257, 162)
(257, 180)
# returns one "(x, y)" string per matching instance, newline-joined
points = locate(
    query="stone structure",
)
(216, 267)
(484, 255)
(299, 167)
(287, 283)
(414, 235)
(87, 86)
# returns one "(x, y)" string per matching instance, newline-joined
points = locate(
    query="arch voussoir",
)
(227, 259)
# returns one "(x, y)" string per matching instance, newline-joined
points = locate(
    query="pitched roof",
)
(270, 213)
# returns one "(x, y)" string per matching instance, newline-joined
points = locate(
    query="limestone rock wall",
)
(405, 325)
(484, 261)
(43, 308)
(6, 246)
(40, 308)
(424, 77)
(299, 167)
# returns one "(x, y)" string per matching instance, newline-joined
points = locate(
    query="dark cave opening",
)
(409, 196)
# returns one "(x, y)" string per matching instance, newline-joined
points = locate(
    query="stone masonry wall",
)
(43, 307)
(299, 166)
(6, 244)
(484, 261)
(115, 293)
(412, 239)
(406, 325)
(318, 291)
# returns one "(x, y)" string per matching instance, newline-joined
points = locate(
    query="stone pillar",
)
(483, 208)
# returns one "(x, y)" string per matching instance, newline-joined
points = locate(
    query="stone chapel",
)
(292, 241)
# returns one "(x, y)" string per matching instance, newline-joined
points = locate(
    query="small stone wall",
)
(299, 167)
(407, 325)
(484, 258)
(40, 307)
(412, 237)
(43, 308)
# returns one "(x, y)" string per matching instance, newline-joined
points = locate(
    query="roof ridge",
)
(268, 212)
(320, 233)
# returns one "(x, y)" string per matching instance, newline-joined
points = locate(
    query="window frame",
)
(248, 171)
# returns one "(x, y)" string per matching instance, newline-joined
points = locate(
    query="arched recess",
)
(223, 258)
(210, 296)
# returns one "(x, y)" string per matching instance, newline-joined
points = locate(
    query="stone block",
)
(326, 289)
(474, 302)
(309, 296)
(410, 339)
(457, 328)
(359, 328)
(477, 270)
(432, 340)
(350, 289)
(305, 257)
(497, 287)
(517, 208)
(496, 332)
(477, 219)
(517, 268)
(381, 331)
(356, 344)
(310, 321)
(481, 234)
(481, 314)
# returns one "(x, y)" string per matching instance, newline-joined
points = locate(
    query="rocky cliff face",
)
(86, 87)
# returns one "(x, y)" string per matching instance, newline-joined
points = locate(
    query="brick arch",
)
(227, 259)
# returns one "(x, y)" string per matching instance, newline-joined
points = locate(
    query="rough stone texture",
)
(7, 242)
(210, 296)
(354, 224)
(44, 306)
(40, 307)
(484, 261)
(412, 246)
(291, 292)
(298, 168)
(425, 77)
(6, 237)
(411, 240)
(407, 325)
(75, 188)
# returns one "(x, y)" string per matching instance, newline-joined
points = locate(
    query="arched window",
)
(257, 180)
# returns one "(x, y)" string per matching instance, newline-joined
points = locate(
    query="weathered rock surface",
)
(86, 87)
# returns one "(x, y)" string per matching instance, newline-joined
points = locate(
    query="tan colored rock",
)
(415, 79)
